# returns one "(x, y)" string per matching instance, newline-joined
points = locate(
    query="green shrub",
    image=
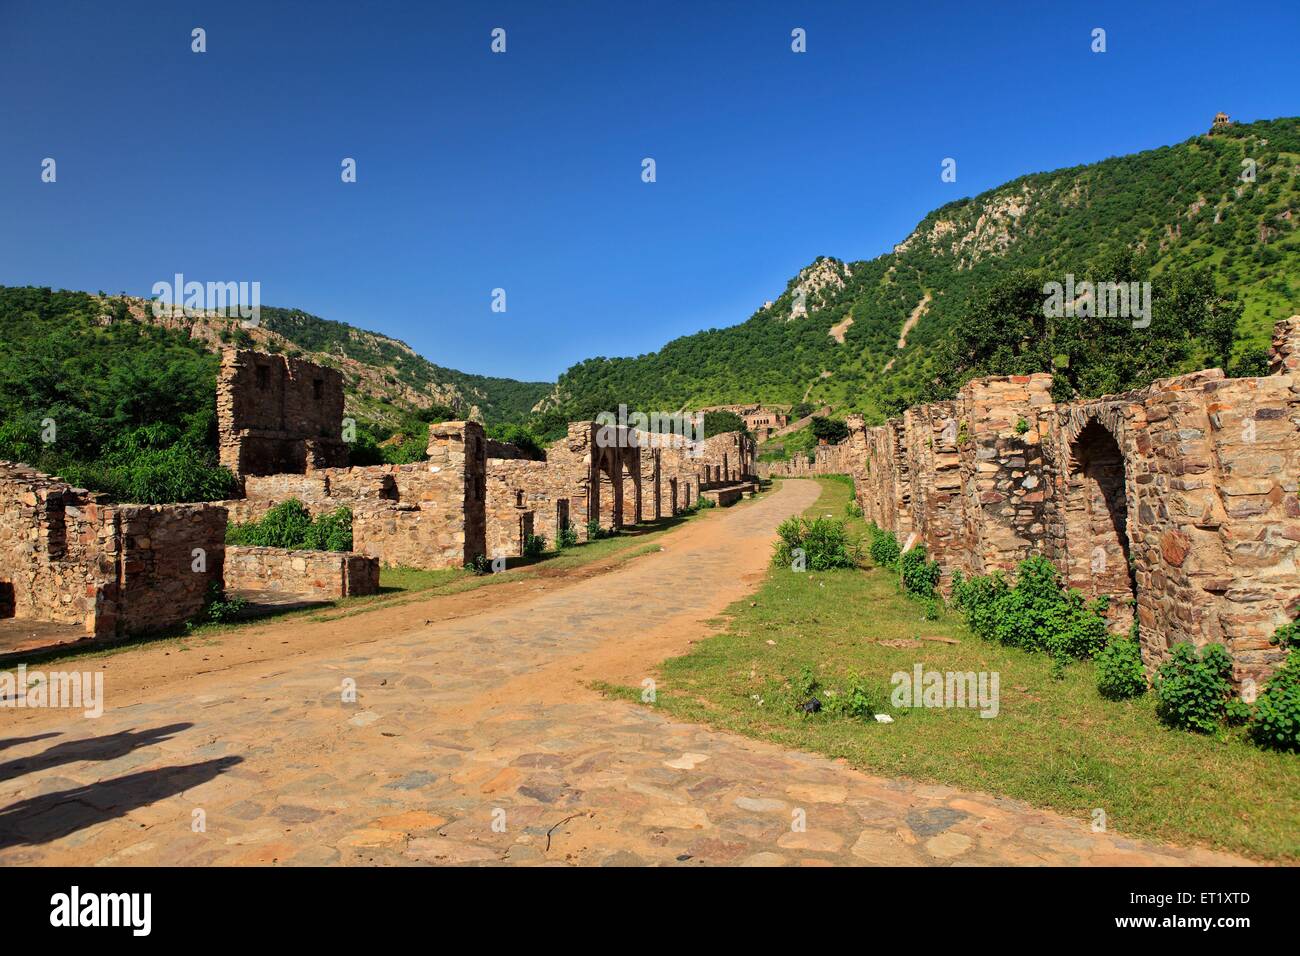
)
(595, 532)
(1192, 690)
(918, 576)
(825, 543)
(852, 509)
(479, 564)
(1120, 674)
(884, 548)
(1034, 614)
(855, 701)
(1275, 721)
(534, 546)
(703, 502)
(290, 525)
(567, 538)
(218, 608)
(980, 597)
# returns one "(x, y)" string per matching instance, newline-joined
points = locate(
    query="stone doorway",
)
(1096, 523)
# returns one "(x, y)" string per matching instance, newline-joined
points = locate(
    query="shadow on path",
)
(52, 816)
(93, 748)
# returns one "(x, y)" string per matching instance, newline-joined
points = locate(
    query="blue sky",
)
(523, 170)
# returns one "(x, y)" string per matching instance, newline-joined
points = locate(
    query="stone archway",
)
(605, 487)
(1098, 541)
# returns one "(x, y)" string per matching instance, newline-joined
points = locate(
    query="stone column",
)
(458, 460)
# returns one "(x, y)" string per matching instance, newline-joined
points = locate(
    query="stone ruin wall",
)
(1178, 501)
(429, 514)
(158, 586)
(328, 575)
(523, 497)
(277, 414)
(827, 460)
(638, 476)
(69, 557)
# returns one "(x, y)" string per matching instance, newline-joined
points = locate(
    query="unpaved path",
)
(474, 738)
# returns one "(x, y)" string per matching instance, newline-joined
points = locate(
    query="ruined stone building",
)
(278, 415)
(609, 475)
(70, 558)
(761, 420)
(1179, 501)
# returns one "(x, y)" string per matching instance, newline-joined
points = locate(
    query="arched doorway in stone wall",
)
(1096, 523)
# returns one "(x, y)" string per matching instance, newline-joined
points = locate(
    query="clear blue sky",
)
(522, 170)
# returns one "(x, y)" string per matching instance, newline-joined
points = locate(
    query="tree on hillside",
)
(1007, 331)
(715, 423)
(832, 430)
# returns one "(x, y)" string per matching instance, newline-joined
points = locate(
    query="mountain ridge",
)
(832, 335)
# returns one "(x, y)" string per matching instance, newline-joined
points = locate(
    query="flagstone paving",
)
(472, 741)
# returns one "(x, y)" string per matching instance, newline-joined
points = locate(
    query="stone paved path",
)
(473, 741)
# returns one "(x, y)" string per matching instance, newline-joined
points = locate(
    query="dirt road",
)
(474, 737)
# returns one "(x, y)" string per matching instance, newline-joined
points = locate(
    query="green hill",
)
(98, 390)
(1181, 216)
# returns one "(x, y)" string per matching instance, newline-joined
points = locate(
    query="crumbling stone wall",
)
(517, 488)
(730, 457)
(168, 556)
(327, 575)
(1178, 502)
(428, 514)
(70, 557)
(826, 460)
(999, 436)
(277, 414)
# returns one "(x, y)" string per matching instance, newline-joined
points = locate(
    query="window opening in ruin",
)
(318, 389)
(1097, 523)
(263, 377)
(8, 603)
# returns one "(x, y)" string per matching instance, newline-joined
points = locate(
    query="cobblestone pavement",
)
(473, 741)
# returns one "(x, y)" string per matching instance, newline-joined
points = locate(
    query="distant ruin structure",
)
(72, 560)
(278, 415)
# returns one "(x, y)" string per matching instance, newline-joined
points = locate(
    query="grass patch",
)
(1055, 742)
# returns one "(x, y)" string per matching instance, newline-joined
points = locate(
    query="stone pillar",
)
(458, 462)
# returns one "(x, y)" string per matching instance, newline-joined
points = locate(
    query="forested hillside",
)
(98, 390)
(1222, 254)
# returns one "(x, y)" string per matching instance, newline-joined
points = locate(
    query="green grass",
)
(1054, 743)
